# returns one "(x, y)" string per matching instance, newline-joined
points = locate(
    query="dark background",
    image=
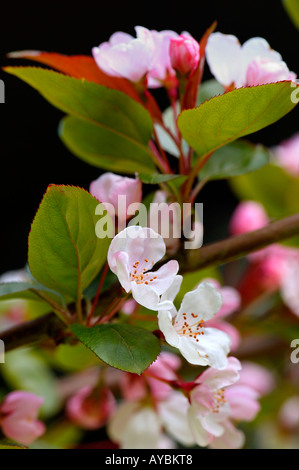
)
(32, 156)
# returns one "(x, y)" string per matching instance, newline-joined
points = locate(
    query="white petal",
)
(204, 301)
(217, 379)
(165, 276)
(122, 270)
(232, 438)
(201, 435)
(142, 431)
(166, 326)
(223, 53)
(140, 243)
(145, 295)
(214, 344)
(173, 290)
(116, 427)
(173, 412)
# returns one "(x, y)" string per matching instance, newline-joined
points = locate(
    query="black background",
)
(32, 155)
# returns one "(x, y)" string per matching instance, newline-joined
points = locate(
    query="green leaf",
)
(122, 346)
(292, 8)
(157, 178)
(208, 90)
(117, 123)
(276, 190)
(103, 150)
(27, 290)
(235, 114)
(235, 159)
(6, 444)
(64, 251)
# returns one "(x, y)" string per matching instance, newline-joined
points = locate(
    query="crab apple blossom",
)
(91, 409)
(18, 417)
(112, 189)
(257, 377)
(289, 414)
(231, 301)
(254, 63)
(248, 216)
(165, 219)
(124, 56)
(187, 330)
(146, 56)
(287, 155)
(137, 426)
(131, 255)
(136, 387)
(184, 54)
(210, 412)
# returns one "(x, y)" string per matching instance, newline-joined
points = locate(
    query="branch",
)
(236, 247)
(34, 331)
(50, 326)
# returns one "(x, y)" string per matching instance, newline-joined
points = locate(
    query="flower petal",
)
(217, 379)
(205, 301)
(140, 243)
(167, 328)
(223, 53)
(173, 412)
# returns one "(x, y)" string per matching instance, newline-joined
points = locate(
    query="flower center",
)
(193, 330)
(139, 274)
(219, 399)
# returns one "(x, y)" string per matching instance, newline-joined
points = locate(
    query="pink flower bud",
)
(120, 191)
(184, 54)
(91, 409)
(287, 154)
(248, 216)
(18, 417)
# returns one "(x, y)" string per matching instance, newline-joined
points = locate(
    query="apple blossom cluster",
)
(157, 56)
(108, 297)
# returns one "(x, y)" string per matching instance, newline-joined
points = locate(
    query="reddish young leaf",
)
(79, 66)
(83, 66)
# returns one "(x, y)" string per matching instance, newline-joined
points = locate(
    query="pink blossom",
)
(248, 216)
(146, 56)
(120, 191)
(165, 219)
(287, 155)
(210, 411)
(184, 54)
(257, 377)
(136, 387)
(289, 413)
(18, 417)
(261, 71)
(216, 402)
(89, 408)
(131, 256)
(124, 56)
(129, 306)
(253, 63)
